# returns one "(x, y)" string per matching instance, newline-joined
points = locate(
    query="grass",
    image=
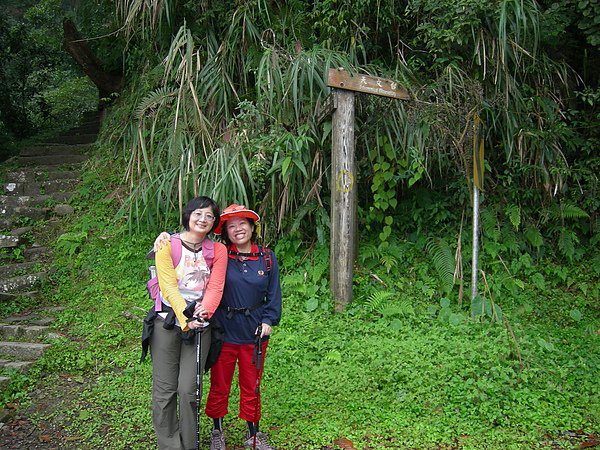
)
(392, 372)
(425, 384)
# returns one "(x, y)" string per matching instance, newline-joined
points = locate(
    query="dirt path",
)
(19, 431)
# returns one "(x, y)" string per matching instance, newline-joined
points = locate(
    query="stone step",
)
(4, 382)
(28, 194)
(90, 117)
(52, 150)
(10, 297)
(36, 252)
(24, 211)
(25, 351)
(86, 127)
(12, 188)
(62, 210)
(90, 127)
(88, 138)
(24, 200)
(32, 332)
(34, 318)
(21, 366)
(10, 216)
(63, 175)
(22, 282)
(52, 160)
(20, 189)
(21, 231)
(40, 174)
(48, 169)
(57, 186)
(37, 188)
(37, 193)
(7, 223)
(9, 241)
(11, 270)
(92, 114)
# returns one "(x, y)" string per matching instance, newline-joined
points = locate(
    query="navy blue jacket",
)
(251, 296)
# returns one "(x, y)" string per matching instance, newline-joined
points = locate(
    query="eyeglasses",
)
(203, 216)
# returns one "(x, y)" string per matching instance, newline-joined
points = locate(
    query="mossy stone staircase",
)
(37, 186)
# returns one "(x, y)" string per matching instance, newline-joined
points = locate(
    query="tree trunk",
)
(106, 82)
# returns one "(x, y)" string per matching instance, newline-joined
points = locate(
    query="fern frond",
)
(570, 211)
(402, 307)
(389, 262)
(368, 252)
(306, 322)
(443, 261)
(396, 250)
(566, 243)
(293, 280)
(595, 264)
(406, 307)
(488, 222)
(513, 212)
(160, 97)
(533, 236)
(377, 300)
(510, 239)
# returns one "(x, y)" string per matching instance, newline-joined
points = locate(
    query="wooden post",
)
(343, 199)
(344, 239)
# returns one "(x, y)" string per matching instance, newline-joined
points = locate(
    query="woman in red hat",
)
(250, 307)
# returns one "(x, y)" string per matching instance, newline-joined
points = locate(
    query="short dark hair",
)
(199, 203)
(225, 236)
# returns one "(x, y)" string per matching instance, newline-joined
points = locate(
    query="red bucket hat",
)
(235, 210)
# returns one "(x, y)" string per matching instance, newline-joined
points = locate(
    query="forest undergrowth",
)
(407, 365)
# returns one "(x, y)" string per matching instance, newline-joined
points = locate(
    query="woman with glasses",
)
(251, 307)
(191, 290)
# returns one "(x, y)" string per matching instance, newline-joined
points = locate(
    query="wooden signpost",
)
(343, 172)
(338, 78)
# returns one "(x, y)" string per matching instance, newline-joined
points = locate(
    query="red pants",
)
(221, 376)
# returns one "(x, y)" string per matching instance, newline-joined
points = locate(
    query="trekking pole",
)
(188, 312)
(198, 380)
(257, 361)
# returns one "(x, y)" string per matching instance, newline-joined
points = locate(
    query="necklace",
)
(195, 246)
(192, 244)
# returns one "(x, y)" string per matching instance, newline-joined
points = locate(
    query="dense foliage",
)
(223, 102)
(41, 89)
(221, 99)
(404, 366)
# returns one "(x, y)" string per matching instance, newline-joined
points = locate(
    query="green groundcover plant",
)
(406, 365)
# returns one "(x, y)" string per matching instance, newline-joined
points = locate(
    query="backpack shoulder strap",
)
(175, 249)
(208, 251)
(152, 285)
(266, 254)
